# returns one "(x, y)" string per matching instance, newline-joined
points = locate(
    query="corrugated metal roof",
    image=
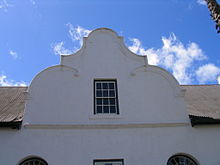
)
(201, 101)
(12, 102)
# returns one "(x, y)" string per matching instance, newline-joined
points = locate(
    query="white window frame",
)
(33, 160)
(108, 162)
(181, 160)
(106, 103)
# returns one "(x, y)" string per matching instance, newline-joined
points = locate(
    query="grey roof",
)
(201, 100)
(12, 102)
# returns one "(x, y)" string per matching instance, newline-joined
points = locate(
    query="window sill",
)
(105, 116)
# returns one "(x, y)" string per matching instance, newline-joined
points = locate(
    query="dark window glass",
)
(112, 109)
(105, 86)
(111, 93)
(98, 86)
(111, 85)
(98, 93)
(99, 101)
(105, 101)
(112, 101)
(99, 109)
(105, 93)
(106, 109)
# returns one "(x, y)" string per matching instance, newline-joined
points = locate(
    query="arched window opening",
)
(33, 161)
(181, 160)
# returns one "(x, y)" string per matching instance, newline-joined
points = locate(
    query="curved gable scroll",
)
(51, 95)
(177, 90)
(102, 38)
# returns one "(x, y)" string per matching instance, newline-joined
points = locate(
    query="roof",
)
(12, 103)
(202, 104)
(203, 100)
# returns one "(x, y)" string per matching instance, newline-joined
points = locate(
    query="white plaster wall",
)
(63, 94)
(136, 146)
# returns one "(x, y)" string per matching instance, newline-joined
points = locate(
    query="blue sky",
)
(177, 35)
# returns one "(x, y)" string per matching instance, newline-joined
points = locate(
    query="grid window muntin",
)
(181, 160)
(105, 97)
(33, 161)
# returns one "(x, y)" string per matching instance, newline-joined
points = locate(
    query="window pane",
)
(105, 101)
(106, 109)
(98, 93)
(105, 93)
(99, 101)
(37, 163)
(111, 85)
(112, 101)
(98, 85)
(112, 109)
(111, 93)
(99, 109)
(187, 161)
(105, 85)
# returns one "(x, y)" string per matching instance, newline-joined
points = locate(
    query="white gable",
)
(64, 94)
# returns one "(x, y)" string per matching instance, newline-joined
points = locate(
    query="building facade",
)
(105, 105)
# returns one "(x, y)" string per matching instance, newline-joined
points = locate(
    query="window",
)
(109, 162)
(33, 161)
(105, 97)
(181, 160)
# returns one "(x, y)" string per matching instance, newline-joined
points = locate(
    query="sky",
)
(177, 35)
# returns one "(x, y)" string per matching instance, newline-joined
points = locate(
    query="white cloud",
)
(4, 5)
(76, 34)
(6, 82)
(173, 55)
(207, 73)
(137, 48)
(218, 79)
(59, 49)
(201, 2)
(13, 54)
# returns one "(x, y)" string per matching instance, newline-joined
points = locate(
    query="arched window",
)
(33, 161)
(181, 160)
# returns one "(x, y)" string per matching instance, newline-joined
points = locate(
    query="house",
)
(105, 105)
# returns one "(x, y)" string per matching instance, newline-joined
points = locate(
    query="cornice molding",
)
(104, 126)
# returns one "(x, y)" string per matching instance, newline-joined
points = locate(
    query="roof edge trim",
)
(11, 124)
(200, 120)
